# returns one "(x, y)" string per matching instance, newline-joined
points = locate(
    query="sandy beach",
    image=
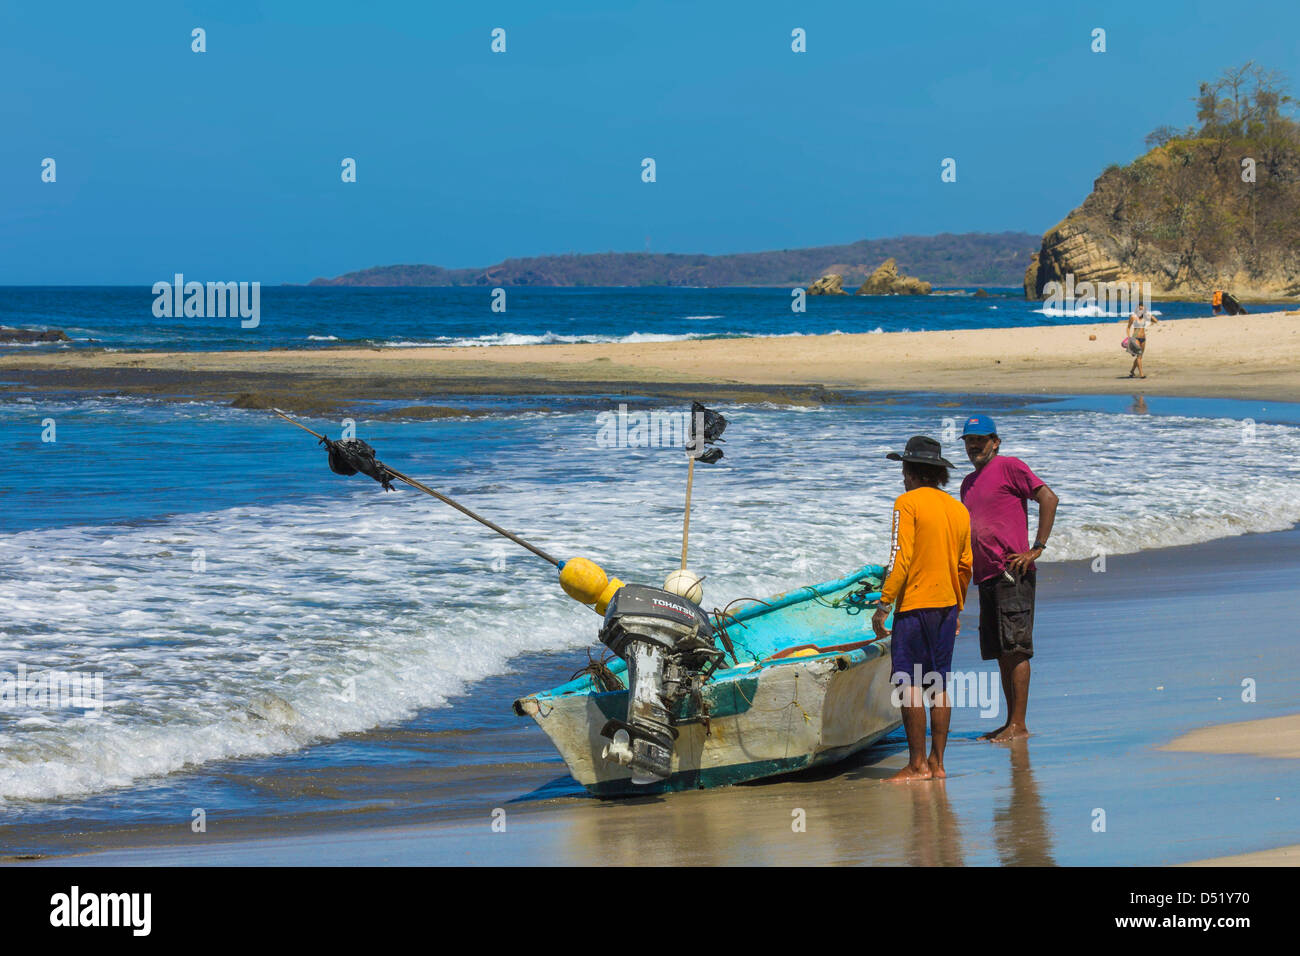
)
(1277, 737)
(1282, 856)
(1255, 356)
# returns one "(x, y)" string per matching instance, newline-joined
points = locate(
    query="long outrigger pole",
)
(686, 521)
(420, 486)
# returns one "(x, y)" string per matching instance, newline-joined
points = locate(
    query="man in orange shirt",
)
(929, 570)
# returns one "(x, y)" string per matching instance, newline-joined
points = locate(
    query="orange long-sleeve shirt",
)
(930, 554)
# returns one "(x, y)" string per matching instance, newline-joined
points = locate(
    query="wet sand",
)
(1128, 661)
(1282, 856)
(1276, 737)
(1253, 356)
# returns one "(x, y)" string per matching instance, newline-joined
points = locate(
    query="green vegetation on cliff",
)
(1215, 205)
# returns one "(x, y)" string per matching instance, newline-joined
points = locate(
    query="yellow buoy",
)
(586, 581)
(607, 595)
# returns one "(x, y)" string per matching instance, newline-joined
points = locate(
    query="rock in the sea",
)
(830, 284)
(887, 281)
(981, 294)
(32, 335)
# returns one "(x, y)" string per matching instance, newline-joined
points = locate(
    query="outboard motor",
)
(669, 645)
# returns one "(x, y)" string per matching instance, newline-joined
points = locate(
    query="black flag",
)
(706, 428)
(352, 455)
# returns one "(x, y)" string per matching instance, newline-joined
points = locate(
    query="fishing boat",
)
(805, 683)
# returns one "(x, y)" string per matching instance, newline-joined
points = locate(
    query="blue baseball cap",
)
(979, 425)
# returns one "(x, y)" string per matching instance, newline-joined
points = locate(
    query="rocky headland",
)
(1214, 206)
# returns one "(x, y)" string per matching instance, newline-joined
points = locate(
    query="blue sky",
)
(225, 164)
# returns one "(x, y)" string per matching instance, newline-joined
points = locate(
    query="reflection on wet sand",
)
(935, 833)
(1020, 830)
(846, 816)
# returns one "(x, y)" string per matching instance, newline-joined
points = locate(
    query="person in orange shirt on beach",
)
(929, 570)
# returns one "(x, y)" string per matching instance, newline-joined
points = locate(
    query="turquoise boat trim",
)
(856, 656)
(751, 617)
(808, 591)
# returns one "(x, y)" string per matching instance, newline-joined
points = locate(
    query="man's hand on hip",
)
(1020, 563)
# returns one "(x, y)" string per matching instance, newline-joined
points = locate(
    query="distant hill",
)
(973, 258)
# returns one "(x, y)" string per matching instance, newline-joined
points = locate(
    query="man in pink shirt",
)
(997, 494)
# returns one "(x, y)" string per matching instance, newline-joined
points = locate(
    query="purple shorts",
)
(923, 639)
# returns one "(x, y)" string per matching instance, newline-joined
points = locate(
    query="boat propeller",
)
(670, 647)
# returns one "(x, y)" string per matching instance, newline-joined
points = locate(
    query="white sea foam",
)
(342, 613)
(552, 338)
(1085, 312)
(322, 338)
(306, 623)
(549, 338)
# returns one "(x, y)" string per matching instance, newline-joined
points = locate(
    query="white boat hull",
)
(755, 721)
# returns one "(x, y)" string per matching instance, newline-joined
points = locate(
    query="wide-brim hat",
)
(921, 450)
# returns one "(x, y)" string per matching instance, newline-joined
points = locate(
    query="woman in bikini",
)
(1137, 337)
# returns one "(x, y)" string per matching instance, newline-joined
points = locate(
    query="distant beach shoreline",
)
(1254, 356)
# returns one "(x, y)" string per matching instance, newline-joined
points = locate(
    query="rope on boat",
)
(600, 673)
(774, 710)
(721, 617)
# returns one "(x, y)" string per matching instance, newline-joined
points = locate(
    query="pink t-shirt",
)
(996, 497)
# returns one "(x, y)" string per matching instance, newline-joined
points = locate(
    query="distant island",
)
(1212, 206)
(975, 258)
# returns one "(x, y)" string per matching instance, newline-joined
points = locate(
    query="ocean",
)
(256, 618)
(121, 317)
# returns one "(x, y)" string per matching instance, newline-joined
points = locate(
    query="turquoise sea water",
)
(296, 317)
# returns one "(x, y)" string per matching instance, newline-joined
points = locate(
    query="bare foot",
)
(936, 768)
(1010, 733)
(992, 734)
(910, 774)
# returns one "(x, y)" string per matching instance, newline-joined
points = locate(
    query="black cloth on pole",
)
(352, 455)
(706, 428)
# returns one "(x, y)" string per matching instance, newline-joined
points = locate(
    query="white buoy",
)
(688, 584)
